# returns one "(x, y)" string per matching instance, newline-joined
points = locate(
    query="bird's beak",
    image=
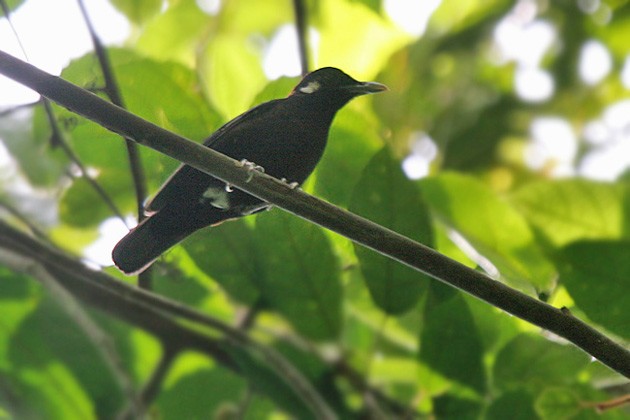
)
(363, 88)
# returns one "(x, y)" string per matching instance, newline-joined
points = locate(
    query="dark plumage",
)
(286, 137)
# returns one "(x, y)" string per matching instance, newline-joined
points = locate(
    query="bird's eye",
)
(310, 88)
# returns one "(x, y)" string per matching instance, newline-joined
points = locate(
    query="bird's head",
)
(332, 85)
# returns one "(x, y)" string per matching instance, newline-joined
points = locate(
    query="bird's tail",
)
(150, 239)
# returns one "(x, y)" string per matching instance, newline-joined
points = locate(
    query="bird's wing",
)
(178, 186)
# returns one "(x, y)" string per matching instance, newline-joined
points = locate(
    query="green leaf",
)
(81, 206)
(557, 403)
(57, 371)
(302, 274)
(492, 227)
(361, 45)
(450, 343)
(27, 144)
(166, 38)
(268, 382)
(138, 11)
(232, 74)
(352, 142)
(564, 211)
(18, 299)
(535, 361)
(180, 399)
(513, 405)
(144, 84)
(449, 407)
(12, 5)
(231, 255)
(597, 276)
(386, 197)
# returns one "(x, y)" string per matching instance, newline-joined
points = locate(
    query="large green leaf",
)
(597, 276)
(231, 73)
(181, 398)
(352, 142)
(492, 226)
(532, 361)
(450, 343)
(231, 255)
(301, 274)
(57, 370)
(385, 196)
(354, 38)
(568, 210)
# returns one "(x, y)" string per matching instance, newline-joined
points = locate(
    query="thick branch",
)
(358, 229)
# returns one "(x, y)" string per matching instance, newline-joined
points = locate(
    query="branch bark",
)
(353, 227)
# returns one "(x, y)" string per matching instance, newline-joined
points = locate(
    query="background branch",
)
(156, 315)
(112, 90)
(301, 29)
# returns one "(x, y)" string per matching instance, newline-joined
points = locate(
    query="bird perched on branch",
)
(286, 137)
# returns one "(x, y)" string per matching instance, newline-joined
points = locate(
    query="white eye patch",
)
(310, 88)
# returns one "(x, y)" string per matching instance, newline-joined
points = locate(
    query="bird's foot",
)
(251, 167)
(292, 185)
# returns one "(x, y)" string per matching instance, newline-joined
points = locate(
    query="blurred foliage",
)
(354, 323)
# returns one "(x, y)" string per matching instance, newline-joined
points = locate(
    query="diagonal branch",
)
(353, 227)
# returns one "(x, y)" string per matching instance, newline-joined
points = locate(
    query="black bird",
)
(286, 137)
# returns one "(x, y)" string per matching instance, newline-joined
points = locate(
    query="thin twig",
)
(152, 388)
(35, 230)
(16, 108)
(112, 90)
(299, 11)
(58, 139)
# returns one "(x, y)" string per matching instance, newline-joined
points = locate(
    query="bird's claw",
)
(292, 185)
(251, 167)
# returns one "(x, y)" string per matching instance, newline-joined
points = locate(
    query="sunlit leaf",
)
(568, 210)
(232, 73)
(167, 38)
(492, 226)
(355, 38)
(138, 10)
